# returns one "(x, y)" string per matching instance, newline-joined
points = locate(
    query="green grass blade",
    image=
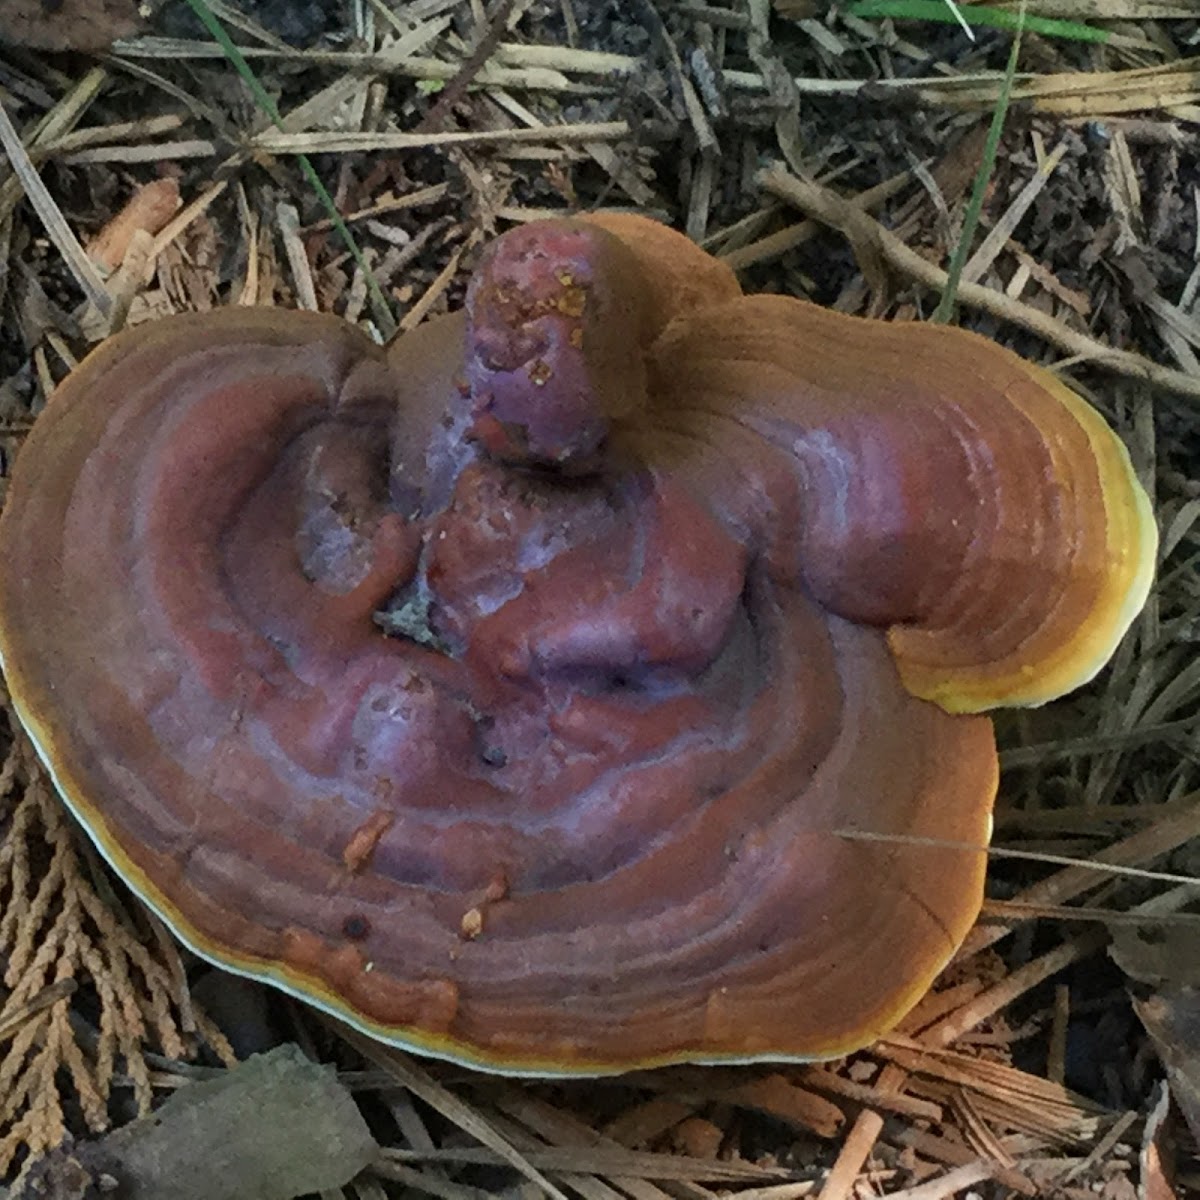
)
(383, 310)
(977, 16)
(945, 308)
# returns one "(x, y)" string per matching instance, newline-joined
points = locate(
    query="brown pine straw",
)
(1141, 847)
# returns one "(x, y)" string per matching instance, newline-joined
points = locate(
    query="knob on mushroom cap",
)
(515, 714)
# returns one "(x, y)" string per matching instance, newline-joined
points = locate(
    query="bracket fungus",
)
(507, 693)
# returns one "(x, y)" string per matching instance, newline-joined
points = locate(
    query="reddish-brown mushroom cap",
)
(506, 694)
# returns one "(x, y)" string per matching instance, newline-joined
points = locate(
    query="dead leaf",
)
(1172, 1019)
(1157, 954)
(277, 1126)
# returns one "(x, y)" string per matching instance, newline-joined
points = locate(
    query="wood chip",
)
(956, 1154)
(950, 1184)
(997, 237)
(149, 209)
(641, 1123)
(698, 1138)
(861, 1139)
(288, 220)
(1016, 984)
(823, 1080)
(779, 1098)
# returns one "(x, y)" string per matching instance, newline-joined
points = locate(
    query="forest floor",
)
(824, 152)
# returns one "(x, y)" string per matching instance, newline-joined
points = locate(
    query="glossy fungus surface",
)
(506, 693)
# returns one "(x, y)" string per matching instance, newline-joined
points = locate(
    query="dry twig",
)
(869, 238)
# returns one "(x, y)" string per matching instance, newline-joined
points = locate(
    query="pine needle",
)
(383, 311)
(983, 176)
(1057, 860)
